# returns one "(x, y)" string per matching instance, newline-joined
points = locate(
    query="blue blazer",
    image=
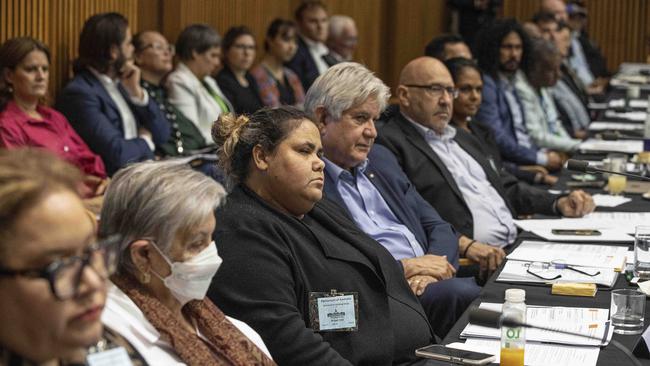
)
(435, 235)
(495, 113)
(96, 118)
(303, 65)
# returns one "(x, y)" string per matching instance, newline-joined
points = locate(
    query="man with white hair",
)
(343, 37)
(369, 184)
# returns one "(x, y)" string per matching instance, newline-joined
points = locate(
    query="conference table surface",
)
(541, 294)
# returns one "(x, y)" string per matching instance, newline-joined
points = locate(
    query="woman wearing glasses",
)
(165, 214)
(235, 79)
(52, 272)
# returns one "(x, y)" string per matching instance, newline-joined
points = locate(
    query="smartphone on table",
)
(442, 353)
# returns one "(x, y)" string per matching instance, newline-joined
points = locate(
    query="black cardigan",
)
(272, 261)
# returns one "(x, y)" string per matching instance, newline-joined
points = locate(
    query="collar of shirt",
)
(12, 109)
(103, 78)
(448, 133)
(316, 47)
(337, 173)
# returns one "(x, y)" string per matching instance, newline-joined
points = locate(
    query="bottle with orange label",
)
(513, 339)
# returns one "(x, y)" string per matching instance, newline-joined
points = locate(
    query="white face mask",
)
(191, 279)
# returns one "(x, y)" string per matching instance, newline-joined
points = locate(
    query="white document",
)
(609, 200)
(536, 353)
(638, 116)
(516, 271)
(625, 222)
(585, 255)
(607, 235)
(624, 146)
(592, 322)
(620, 126)
(634, 103)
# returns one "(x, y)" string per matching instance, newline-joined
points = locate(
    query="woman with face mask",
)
(165, 214)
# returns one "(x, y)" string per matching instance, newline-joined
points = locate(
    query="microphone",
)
(496, 319)
(613, 136)
(584, 167)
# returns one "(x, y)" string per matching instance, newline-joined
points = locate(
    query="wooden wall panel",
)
(391, 32)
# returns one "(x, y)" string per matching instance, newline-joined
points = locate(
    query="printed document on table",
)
(634, 103)
(592, 322)
(585, 255)
(516, 271)
(609, 200)
(607, 235)
(624, 146)
(620, 126)
(638, 116)
(625, 222)
(536, 354)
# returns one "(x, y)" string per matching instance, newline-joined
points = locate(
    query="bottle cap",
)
(515, 295)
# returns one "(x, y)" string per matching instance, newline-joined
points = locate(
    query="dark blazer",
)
(435, 235)
(273, 261)
(303, 65)
(495, 113)
(96, 118)
(243, 99)
(438, 187)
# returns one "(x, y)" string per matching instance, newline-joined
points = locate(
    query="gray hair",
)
(338, 23)
(344, 86)
(156, 200)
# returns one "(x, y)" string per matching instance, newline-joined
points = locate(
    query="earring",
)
(146, 277)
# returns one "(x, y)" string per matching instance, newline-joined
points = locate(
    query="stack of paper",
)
(624, 146)
(617, 126)
(592, 322)
(638, 116)
(634, 103)
(516, 271)
(583, 255)
(537, 354)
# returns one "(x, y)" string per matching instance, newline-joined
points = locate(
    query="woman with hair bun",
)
(296, 269)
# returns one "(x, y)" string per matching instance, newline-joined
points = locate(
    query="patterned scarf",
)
(228, 345)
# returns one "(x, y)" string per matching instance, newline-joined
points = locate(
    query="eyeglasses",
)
(549, 271)
(436, 90)
(244, 47)
(64, 275)
(159, 47)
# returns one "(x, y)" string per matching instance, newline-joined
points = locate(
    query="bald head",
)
(556, 7)
(422, 93)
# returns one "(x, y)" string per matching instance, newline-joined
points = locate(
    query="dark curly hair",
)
(488, 44)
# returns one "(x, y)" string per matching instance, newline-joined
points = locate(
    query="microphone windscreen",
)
(577, 165)
(486, 318)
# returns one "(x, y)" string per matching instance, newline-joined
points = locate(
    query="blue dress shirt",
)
(371, 212)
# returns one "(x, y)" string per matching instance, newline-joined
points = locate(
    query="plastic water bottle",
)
(513, 340)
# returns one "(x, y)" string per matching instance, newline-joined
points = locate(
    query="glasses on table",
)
(64, 275)
(549, 270)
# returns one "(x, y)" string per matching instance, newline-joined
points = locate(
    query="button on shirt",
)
(371, 212)
(493, 221)
(317, 50)
(517, 114)
(129, 123)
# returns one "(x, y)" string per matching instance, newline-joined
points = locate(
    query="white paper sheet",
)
(588, 321)
(537, 353)
(620, 126)
(586, 255)
(608, 200)
(638, 116)
(634, 103)
(624, 146)
(625, 222)
(607, 235)
(516, 271)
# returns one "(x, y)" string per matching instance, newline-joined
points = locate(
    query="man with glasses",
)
(450, 170)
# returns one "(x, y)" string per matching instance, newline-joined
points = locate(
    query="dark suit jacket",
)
(436, 184)
(435, 235)
(495, 113)
(303, 65)
(273, 261)
(96, 118)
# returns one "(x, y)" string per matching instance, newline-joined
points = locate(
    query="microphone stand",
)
(584, 167)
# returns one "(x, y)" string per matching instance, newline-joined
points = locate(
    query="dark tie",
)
(329, 59)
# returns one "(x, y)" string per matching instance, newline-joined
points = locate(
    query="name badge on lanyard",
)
(334, 311)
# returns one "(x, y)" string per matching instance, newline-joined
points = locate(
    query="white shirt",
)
(493, 222)
(129, 124)
(317, 51)
(124, 317)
